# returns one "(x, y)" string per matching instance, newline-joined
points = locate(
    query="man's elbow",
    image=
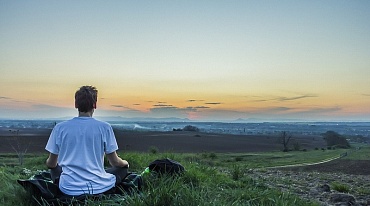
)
(50, 164)
(114, 163)
(119, 163)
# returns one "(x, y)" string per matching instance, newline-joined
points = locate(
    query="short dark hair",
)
(86, 98)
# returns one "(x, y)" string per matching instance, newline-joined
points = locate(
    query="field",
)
(190, 142)
(220, 170)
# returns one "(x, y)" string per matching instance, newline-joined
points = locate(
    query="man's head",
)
(86, 98)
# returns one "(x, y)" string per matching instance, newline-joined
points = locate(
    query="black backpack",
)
(132, 183)
(166, 166)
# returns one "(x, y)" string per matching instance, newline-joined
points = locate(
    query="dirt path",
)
(344, 166)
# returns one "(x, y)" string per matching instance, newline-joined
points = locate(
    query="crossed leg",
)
(119, 172)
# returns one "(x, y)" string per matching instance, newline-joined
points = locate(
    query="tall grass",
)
(209, 180)
(10, 192)
(340, 187)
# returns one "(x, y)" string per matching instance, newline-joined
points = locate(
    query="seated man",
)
(77, 148)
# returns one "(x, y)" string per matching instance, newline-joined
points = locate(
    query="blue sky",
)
(203, 60)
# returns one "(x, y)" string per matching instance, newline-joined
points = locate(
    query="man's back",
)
(80, 144)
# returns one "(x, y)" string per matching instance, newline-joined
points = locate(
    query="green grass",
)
(270, 159)
(210, 178)
(340, 187)
(359, 152)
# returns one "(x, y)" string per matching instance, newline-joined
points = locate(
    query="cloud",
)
(281, 99)
(294, 98)
(297, 111)
(213, 103)
(123, 107)
(162, 105)
(269, 114)
(260, 100)
(194, 100)
(221, 115)
(189, 109)
(171, 111)
(195, 109)
(322, 110)
(255, 98)
(172, 108)
(120, 106)
(201, 107)
(4, 97)
(26, 110)
(136, 104)
(367, 95)
(276, 109)
(115, 105)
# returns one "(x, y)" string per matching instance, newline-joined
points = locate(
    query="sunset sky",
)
(203, 60)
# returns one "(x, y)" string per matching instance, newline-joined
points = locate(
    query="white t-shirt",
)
(80, 144)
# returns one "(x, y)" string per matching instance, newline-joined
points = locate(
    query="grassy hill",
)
(210, 178)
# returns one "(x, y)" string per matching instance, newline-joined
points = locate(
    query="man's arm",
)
(116, 161)
(52, 161)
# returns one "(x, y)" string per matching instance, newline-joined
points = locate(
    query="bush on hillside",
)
(334, 139)
(191, 128)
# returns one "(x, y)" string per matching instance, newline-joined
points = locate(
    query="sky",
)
(202, 60)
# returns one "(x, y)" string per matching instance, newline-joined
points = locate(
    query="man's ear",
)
(94, 105)
(76, 105)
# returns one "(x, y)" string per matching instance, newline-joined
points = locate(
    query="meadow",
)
(210, 178)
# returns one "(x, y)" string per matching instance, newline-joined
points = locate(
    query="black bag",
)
(166, 166)
(41, 185)
(131, 184)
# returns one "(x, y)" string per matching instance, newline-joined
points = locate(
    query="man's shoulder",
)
(78, 121)
(100, 122)
(62, 123)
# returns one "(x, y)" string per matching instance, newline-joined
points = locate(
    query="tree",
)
(19, 145)
(334, 139)
(284, 138)
(191, 128)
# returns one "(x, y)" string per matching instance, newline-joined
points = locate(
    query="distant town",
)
(360, 129)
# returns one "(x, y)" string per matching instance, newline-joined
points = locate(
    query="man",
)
(77, 148)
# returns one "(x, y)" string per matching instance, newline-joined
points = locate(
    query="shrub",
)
(204, 155)
(340, 187)
(153, 150)
(237, 172)
(209, 155)
(364, 190)
(332, 138)
(191, 128)
(296, 146)
(238, 159)
(212, 155)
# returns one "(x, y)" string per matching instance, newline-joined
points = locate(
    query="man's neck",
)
(85, 114)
